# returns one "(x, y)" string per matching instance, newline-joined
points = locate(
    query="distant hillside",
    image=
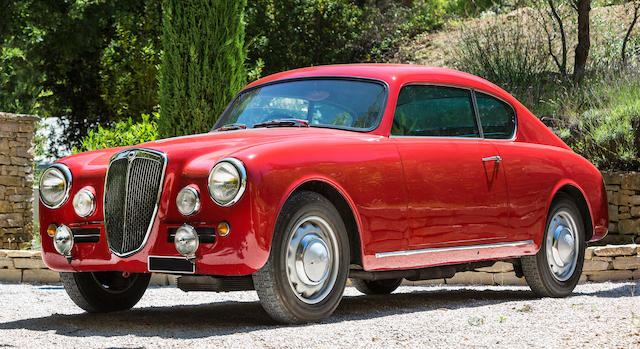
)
(608, 27)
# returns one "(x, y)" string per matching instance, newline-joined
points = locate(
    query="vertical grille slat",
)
(132, 188)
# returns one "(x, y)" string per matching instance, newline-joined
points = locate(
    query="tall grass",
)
(603, 124)
(599, 117)
(506, 52)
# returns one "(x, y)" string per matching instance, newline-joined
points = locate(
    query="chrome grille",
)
(132, 190)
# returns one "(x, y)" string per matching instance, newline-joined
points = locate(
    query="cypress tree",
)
(202, 63)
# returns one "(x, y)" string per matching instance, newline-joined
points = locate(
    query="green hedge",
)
(122, 133)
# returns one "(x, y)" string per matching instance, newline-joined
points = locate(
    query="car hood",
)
(207, 148)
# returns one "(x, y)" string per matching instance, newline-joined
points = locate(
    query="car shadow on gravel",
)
(625, 289)
(222, 318)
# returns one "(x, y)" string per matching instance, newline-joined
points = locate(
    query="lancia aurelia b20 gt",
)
(377, 173)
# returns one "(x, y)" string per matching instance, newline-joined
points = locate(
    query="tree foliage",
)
(203, 63)
(286, 34)
(88, 62)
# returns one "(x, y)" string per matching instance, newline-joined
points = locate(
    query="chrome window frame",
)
(375, 125)
(475, 112)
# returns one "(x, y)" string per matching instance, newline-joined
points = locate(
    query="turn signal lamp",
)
(223, 229)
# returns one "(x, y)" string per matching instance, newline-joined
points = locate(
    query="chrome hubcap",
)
(562, 249)
(312, 260)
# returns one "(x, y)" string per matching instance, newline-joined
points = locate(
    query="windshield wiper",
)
(282, 123)
(229, 127)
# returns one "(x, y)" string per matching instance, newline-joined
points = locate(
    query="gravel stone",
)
(597, 315)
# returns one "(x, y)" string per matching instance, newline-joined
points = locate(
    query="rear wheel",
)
(107, 291)
(304, 277)
(555, 270)
(376, 286)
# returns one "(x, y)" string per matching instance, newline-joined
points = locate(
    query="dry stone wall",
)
(602, 263)
(16, 180)
(623, 193)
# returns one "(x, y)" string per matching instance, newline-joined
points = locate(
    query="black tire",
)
(275, 281)
(537, 269)
(371, 287)
(103, 292)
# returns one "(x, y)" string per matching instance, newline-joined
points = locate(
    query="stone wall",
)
(623, 192)
(602, 263)
(27, 267)
(16, 180)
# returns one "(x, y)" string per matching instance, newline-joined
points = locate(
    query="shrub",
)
(609, 138)
(605, 126)
(506, 52)
(122, 133)
(202, 64)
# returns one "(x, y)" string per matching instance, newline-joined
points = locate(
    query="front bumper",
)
(236, 254)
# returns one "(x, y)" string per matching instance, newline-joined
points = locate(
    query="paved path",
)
(597, 315)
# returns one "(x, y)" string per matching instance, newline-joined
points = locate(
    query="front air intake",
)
(131, 194)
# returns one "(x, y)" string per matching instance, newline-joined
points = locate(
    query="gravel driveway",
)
(597, 315)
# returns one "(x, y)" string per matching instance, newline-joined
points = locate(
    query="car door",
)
(527, 169)
(457, 192)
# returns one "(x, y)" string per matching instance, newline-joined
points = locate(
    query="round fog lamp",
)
(188, 201)
(186, 241)
(84, 203)
(63, 240)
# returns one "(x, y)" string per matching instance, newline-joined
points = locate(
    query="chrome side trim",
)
(138, 152)
(454, 248)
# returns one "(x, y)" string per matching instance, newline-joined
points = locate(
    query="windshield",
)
(336, 103)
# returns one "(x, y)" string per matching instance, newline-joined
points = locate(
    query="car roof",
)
(392, 74)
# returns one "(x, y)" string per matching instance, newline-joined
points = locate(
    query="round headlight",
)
(84, 203)
(188, 201)
(227, 181)
(55, 185)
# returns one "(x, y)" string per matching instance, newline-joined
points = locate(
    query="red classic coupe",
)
(376, 173)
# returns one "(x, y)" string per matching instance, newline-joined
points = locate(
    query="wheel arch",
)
(577, 195)
(345, 206)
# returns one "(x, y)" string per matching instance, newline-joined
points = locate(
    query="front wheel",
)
(305, 275)
(555, 270)
(107, 291)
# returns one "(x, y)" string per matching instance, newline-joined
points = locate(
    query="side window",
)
(434, 111)
(497, 117)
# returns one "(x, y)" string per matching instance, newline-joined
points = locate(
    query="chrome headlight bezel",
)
(92, 198)
(65, 173)
(241, 176)
(197, 201)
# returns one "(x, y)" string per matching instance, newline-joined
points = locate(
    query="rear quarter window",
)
(497, 118)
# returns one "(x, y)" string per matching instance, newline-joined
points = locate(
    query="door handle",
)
(496, 158)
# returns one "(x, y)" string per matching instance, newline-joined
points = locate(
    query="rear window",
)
(434, 111)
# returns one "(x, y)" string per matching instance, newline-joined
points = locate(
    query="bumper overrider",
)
(145, 215)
